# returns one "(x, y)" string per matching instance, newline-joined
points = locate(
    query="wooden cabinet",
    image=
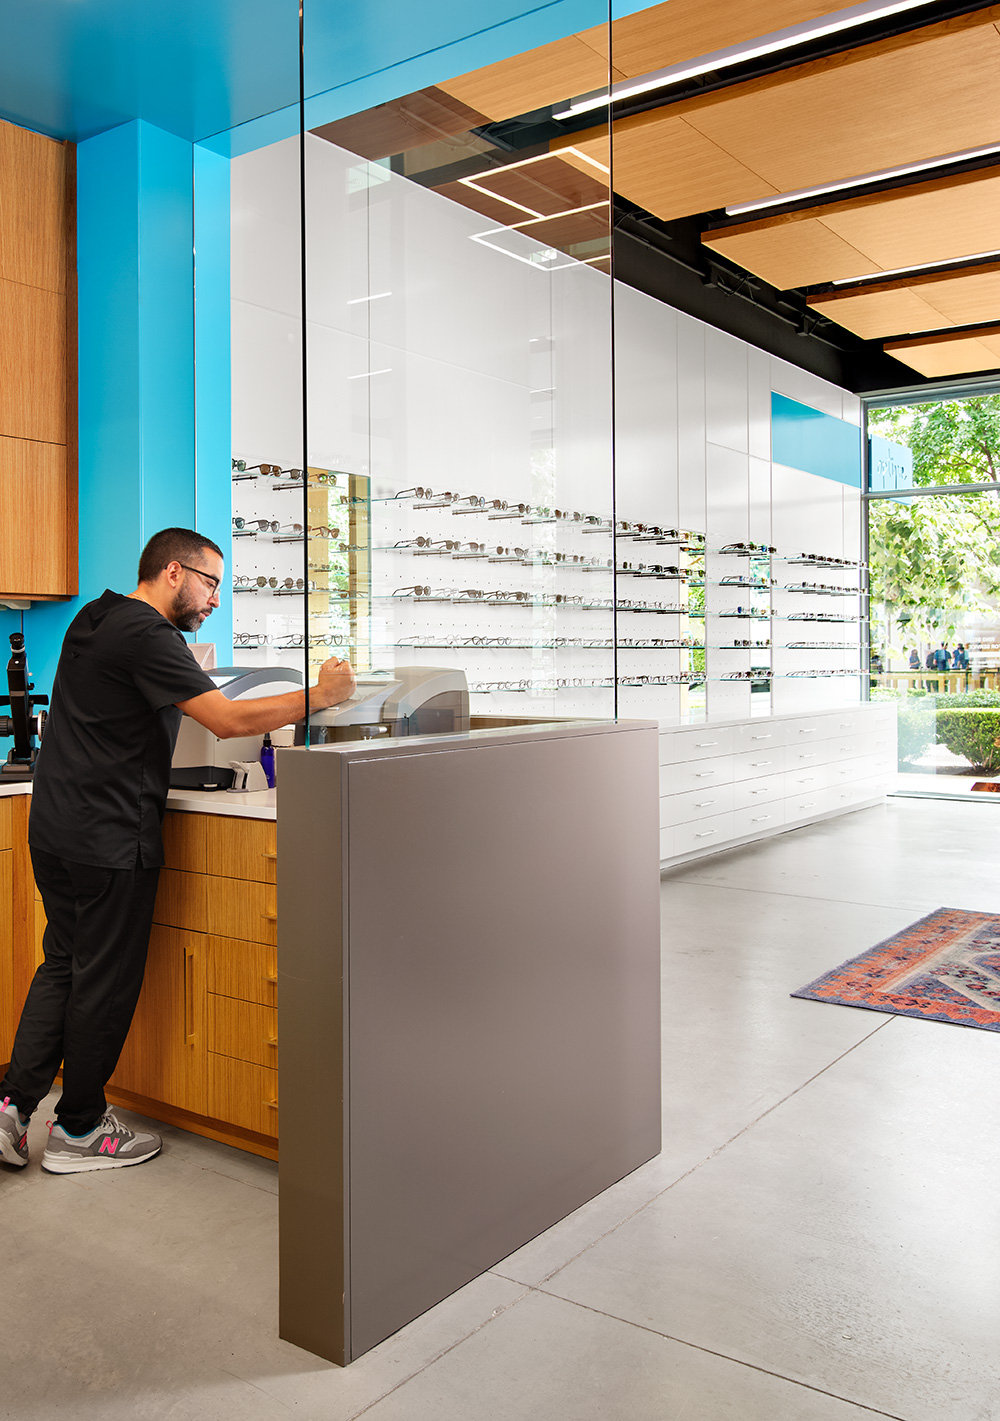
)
(6, 943)
(17, 932)
(38, 509)
(165, 1056)
(202, 1051)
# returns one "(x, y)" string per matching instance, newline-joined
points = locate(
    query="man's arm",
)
(229, 719)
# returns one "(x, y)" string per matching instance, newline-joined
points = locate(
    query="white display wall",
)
(436, 360)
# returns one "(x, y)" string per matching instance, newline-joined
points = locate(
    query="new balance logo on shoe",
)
(108, 1146)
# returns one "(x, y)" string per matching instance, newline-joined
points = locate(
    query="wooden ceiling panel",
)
(500, 213)
(949, 355)
(548, 75)
(925, 304)
(788, 256)
(938, 220)
(916, 96)
(875, 314)
(664, 165)
(684, 29)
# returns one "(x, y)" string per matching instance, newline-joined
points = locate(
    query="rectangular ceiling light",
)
(884, 175)
(737, 54)
(873, 278)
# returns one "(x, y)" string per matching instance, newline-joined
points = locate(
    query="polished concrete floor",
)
(817, 1242)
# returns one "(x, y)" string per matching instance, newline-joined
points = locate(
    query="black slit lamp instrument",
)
(24, 723)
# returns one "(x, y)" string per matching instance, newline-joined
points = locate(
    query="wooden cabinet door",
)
(165, 1054)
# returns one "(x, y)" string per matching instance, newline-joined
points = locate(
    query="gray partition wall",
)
(468, 963)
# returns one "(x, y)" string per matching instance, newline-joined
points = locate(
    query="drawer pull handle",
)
(755, 764)
(706, 803)
(758, 791)
(707, 834)
(760, 818)
(810, 805)
(704, 744)
(811, 756)
(809, 730)
(271, 1104)
(705, 774)
(270, 917)
(271, 1041)
(807, 780)
(273, 979)
(266, 855)
(760, 737)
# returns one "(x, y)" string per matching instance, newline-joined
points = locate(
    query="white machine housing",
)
(198, 749)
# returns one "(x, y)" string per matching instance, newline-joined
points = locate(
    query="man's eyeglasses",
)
(213, 582)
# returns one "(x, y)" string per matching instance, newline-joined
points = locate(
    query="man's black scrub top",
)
(103, 769)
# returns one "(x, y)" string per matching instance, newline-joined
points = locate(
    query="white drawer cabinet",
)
(696, 804)
(749, 792)
(696, 774)
(754, 764)
(680, 746)
(758, 819)
(702, 834)
(733, 783)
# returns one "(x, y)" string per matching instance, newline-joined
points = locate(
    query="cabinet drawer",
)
(242, 910)
(696, 774)
(749, 792)
(242, 848)
(813, 777)
(806, 806)
(247, 970)
(755, 764)
(185, 841)
(758, 818)
(758, 735)
(696, 804)
(243, 1029)
(6, 824)
(702, 834)
(806, 730)
(181, 900)
(242, 1094)
(677, 746)
(804, 757)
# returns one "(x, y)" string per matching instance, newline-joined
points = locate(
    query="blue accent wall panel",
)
(213, 394)
(817, 443)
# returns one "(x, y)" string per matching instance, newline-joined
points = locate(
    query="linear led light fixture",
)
(474, 181)
(725, 58)
(883, 175)
(875, 276)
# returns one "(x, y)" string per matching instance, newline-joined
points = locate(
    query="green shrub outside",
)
(916, 730)
(972, 732)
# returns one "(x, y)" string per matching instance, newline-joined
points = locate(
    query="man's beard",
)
(187, 614)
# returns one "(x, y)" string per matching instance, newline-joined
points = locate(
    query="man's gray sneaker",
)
(13, 1135)
(110, 1145)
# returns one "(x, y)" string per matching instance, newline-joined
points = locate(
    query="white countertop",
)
(14, 787)
(261, 805)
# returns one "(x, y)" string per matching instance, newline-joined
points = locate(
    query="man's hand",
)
(336, 682)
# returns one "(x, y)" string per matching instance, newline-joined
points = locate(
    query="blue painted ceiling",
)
(197, 68)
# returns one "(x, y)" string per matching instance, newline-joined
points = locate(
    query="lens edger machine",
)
(24, 722)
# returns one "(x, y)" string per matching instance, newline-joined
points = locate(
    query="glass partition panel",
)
(459, 503)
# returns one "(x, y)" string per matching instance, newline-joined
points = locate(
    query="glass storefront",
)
(935, 592)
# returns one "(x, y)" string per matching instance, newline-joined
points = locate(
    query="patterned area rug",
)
(946, 967)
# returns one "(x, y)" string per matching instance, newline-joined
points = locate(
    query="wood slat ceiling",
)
(949, 354)
(648, 40)
(938, 220)
(926, 304)
(403, 124)
(901, 100)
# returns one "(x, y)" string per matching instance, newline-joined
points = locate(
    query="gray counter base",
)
(468, 1008)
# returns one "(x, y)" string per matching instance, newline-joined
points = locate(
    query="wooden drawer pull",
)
(271, 1104)
(271, 1041)
(270, 917)
(272, 979)
(266, 855)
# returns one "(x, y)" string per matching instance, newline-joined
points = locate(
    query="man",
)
(125, 675)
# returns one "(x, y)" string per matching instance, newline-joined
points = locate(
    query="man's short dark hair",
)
(169, 545)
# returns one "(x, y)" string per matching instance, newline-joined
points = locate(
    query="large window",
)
(934, 554)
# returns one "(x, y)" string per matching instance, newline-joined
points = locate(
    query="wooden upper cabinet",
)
(38, 493)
